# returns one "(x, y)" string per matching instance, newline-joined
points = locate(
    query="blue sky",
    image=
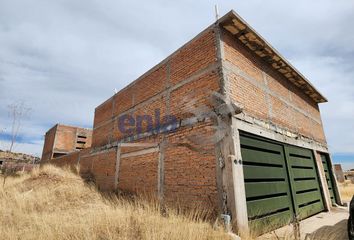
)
(346, 159)
(64, 57)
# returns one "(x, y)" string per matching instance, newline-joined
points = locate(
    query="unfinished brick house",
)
(62, 139)
(226, 122)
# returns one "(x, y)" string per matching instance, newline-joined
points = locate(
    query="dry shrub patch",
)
(51, 203)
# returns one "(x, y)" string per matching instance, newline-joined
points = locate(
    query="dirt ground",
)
(323, 226)
(335, 232)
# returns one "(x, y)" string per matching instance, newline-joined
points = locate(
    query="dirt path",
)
(335, 232)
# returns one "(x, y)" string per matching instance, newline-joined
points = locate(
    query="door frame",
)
(238, 124)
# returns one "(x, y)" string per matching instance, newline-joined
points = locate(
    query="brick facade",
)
(62, 139)
(185, 168)
(267, 95)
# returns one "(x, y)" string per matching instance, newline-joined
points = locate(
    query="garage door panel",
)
(261, 172)
(299, 152)
(271, 222)
(306, 184)
(304, 180)
(255, 151)
(301, 162)
(259, 208)
(280, 180)
(266, 182)
(255, 156)
(252, 142)
(300, 173)
(265, 188)
(304, 198)
(310, 209)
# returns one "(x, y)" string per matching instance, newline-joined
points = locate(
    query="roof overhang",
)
(238, 27)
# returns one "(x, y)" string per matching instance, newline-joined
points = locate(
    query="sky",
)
(65, 57)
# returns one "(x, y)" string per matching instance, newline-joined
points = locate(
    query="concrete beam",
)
(161, 171)
(147, 145)
(116, 173)
(268, 133)
(139, 152)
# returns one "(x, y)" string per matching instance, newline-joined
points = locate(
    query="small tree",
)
(2, 131)
(17, 112)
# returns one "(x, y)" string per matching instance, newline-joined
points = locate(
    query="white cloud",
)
(65, 57)
(34, 148)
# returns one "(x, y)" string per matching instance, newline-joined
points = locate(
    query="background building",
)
(62, 139)
(339, 172)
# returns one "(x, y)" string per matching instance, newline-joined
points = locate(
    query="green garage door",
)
(329, 178)
(304, 182)
(268, 194)
(280, 181)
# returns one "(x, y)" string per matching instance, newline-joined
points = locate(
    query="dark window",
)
(55, 155)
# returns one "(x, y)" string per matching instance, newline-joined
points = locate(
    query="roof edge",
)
(240, 29)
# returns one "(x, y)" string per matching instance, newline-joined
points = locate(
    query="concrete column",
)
(116, 175)
(240, 215)
(161, 171)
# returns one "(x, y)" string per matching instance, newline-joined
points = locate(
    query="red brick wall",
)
(103, 169)
(194, 94)
(100, 166)
(151, 90)
(65, 138)
(48, 145)
(190, 75)
(190, 168)
(138, 174)
(71, 160)
(267, 95)
(85, 163)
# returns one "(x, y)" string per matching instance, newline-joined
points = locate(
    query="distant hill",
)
(6, 156)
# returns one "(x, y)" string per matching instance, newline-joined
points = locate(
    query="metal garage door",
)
(304, 182)
(268, 196)
(280, 181)
(329, 178)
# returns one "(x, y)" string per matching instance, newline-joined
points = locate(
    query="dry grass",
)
(346, 190)
(51, 203)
